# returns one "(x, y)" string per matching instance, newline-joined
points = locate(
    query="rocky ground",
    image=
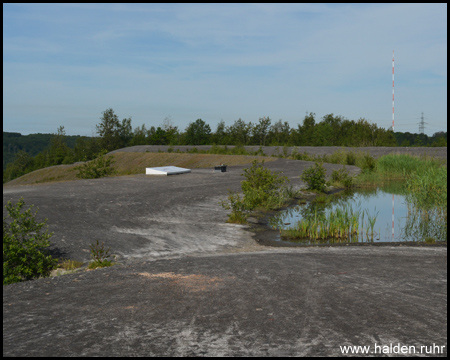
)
(188, 283)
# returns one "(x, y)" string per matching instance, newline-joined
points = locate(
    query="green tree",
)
(385, 138)
(197, 133)
(22, 164)
(59, 152)
(323, 135)
(439, 139)
(440, 142)
(333, 125)
(25, 245)
(172, 135)
(220, 136)
(125, 133)
(114, 134)
(261, 130)
(363, 133)
(157, 136)
(139, 136)
(86, 148)
(108, 130)
(306, 131)
(240, 132)
(279, 133)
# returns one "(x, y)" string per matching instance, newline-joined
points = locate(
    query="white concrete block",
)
(166, 170)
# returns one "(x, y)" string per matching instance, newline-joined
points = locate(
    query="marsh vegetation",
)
(421, 183)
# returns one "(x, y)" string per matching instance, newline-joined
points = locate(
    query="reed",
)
(397, 167)
(428, 187)
(371, 219)
(427, 199)
(428, 223)
(339, 226)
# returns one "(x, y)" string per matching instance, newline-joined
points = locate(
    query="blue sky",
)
(64, 64)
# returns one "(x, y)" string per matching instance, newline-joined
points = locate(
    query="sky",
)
(64, 64)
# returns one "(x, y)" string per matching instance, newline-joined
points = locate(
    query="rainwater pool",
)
(376, 215)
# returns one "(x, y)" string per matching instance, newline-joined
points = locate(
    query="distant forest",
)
(32, 144)
(26, 153)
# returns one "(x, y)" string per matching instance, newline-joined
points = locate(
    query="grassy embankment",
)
(132, 163)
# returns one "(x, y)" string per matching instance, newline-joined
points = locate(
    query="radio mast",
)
(392, 90)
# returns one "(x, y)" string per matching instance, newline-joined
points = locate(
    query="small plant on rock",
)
(70, 264)
(239, 211)
(99, 256)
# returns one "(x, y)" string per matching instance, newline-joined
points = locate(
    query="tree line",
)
(114, 133)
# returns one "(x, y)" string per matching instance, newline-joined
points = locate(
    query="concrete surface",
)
(188, 284)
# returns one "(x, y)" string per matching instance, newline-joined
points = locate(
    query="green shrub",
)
(341, 176)
(239, 211)
(99, 256)
(239, 150)
(25, 253)
(262, 187)
(337, 157)
(351, 158)
(100, 167)
(368, 163)
(314, 177)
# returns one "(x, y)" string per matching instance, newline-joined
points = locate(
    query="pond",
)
(376, 215)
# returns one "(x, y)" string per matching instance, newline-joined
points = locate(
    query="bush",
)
(239, 211)
(314, 177)
(97, 168)
(368, 163)
(25, 254)
(262, 187)
(341, 176)
(351, 158)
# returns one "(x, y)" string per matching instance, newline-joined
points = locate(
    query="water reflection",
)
(380, 214)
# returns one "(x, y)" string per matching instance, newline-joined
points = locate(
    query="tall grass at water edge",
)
(344, 224)
(395, 167)
(423, 179)
(427, 199)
